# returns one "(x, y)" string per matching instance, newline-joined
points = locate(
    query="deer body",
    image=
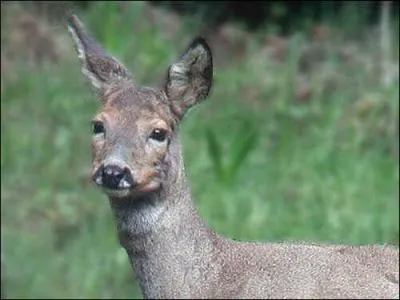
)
(137, 161)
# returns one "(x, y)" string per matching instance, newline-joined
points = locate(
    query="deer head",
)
(134, 130)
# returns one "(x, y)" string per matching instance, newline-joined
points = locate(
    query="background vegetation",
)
(298, 140)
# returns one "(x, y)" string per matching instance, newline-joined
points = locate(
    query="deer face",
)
(133, 131)
(130, 141)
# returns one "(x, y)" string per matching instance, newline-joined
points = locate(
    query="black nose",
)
(114, 177)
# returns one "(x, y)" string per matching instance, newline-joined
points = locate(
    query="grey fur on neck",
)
(163, 234)
(141, 215)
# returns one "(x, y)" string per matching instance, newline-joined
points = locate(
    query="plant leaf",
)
(214, 151)
(247, 141)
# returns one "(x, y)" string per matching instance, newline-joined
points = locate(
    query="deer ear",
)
(189, 79)
(99, 67)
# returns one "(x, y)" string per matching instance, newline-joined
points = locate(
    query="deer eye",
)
(98, 127)
(159, 135)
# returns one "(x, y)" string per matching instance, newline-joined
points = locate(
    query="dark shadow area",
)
(284, 15)
(287, 15)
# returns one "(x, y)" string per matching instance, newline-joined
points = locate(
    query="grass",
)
(319, 170)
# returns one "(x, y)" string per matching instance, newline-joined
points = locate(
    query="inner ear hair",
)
(189, 79)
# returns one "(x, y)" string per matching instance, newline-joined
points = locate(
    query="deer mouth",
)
(134, 191)
(120, 190)
(119, 183)
(117, 193)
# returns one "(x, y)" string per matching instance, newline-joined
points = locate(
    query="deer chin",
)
(117, 193)
(137, 191)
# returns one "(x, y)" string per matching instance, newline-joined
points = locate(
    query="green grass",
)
(318, 170)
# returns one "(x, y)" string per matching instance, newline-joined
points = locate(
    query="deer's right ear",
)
(99, 67)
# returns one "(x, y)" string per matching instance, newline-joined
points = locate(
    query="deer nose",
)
(114, 177)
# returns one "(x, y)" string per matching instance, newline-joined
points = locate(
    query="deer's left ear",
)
(189, 79)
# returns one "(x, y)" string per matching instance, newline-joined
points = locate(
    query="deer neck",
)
(168, 244)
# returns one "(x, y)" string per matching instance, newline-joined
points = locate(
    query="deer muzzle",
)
(113, 177)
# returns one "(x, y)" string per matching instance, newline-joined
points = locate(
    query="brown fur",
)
(174, 254)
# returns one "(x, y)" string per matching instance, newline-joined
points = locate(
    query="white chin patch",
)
(124, 184)
(99, 181)
(117, 193)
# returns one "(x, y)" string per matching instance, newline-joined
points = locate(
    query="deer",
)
(137, 163)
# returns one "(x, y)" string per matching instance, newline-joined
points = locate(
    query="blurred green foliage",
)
(266, 160)
(239, 149)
